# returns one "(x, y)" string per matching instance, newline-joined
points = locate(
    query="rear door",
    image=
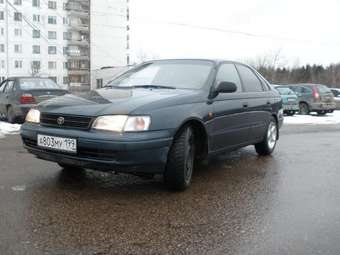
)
(326, 95)
(2, 98)
(258, 110)
(230, 127)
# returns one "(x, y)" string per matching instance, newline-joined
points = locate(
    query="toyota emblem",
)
(60, 121)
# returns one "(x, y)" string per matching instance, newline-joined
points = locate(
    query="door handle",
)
(268, 103)
(245, 105)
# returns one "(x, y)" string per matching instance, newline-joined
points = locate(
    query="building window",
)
(65, 80)
(52, 50)
(99, 83)
(3, 64)
(36, 33)
(36, 49)
(2, 16)
(17, 32)
(66, 36)
(65, 50)
(52, 20)
(18, 64)
(2, 47)
(52, 5)
(52, 65)
(36, 18)
(36, 3)
(17, 48)
(18, 2)
(52, 35)
(36, 65)
(53, 78)
(17, 16)
(65, 65)
(66, 21)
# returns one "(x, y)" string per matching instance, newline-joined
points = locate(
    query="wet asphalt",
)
(238, 204)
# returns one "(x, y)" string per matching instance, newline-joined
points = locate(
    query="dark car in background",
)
(19, 94)
(290, 101)
(314, 98)
(336, 93)
(158, 118)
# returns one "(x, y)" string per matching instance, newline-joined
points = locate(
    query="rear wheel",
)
(11, 118)
(180, 166)
(321, 113)
(267, 146)
(304, 109)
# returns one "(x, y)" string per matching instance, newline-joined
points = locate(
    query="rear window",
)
(323, 89)
(32, 84)
(285, 91)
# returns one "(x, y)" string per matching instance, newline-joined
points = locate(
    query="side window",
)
(250, 81)
(228, 72)
(2, 86)
(9, 87)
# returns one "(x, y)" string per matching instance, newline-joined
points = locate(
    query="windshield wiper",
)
(153, 87)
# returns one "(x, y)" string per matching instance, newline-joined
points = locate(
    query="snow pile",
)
(329, 119)
(8, 129)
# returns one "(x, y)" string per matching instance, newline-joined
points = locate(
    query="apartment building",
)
(62, 39)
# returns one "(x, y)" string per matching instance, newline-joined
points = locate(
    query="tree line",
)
(329, 75)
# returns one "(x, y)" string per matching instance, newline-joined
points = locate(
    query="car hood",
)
(110, 101)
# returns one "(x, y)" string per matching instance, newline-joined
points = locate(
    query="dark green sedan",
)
(160, 117)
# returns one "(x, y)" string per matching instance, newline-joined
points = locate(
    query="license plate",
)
(57, 143)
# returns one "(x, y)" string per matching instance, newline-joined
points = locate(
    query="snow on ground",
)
(329, 119)
(8, 129)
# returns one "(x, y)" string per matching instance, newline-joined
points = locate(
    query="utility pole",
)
(7, 39)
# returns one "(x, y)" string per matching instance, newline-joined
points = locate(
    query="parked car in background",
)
(314, 98)
(336, 93)
(158, 118)
(290, 101)
(19, 94)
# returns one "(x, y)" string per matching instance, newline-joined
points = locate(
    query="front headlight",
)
(122, 123)
(33, 116)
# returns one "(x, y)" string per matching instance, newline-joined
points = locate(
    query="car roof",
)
(26, 77)
(215, 61)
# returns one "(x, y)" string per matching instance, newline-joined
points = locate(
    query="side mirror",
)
(226, 87)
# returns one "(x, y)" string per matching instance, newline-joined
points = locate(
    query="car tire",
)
(181, 158)
(304, 109)
(268, 144)
(70, 168)
(321, 113)
(11, 118)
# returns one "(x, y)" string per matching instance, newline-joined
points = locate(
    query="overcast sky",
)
(304, 31)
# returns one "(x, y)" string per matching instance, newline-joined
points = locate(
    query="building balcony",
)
(78, 72)
(83, 43)
(79, 27)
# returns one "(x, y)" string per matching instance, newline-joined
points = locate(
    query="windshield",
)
(323, 89)
(31, 84)
(176, 74)
(285, 91)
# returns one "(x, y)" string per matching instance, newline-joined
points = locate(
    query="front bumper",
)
(144, 152)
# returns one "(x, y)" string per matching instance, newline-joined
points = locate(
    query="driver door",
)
(230, 127)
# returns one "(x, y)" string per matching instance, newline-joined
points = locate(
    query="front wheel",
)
(180, 166)
(268, 144)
